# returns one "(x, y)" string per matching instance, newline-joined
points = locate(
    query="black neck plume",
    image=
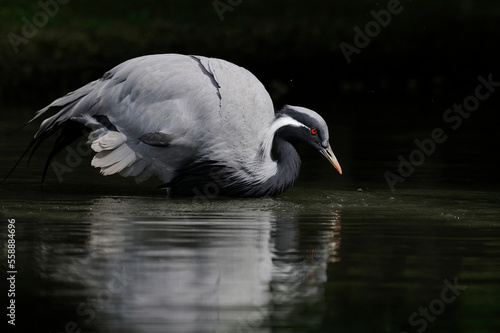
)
(285, 154)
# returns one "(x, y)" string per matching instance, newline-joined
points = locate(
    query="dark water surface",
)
(333, 254)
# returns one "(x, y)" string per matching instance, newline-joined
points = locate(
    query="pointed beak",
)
(330, 156)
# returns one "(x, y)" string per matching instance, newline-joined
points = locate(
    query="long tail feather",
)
(70, 132)
(65, 109)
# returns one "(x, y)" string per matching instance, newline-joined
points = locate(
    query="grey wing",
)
(164, 94)
(246, 110)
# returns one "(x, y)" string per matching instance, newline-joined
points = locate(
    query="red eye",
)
(314, 131)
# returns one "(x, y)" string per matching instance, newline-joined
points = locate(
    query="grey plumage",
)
(198, 124)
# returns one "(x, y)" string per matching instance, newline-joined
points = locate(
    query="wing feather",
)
(153, 115)
(114, 161)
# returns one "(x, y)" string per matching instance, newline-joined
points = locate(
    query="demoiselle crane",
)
(198, 124)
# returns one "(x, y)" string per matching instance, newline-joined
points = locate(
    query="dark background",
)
(394, 91)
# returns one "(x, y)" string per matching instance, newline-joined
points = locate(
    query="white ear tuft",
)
(279, 122)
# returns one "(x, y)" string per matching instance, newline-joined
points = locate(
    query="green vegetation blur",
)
(430, 49)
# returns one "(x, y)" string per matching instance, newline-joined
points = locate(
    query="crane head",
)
(308, 127)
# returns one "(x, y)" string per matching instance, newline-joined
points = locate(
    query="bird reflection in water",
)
(217, 269)
(303, 250)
